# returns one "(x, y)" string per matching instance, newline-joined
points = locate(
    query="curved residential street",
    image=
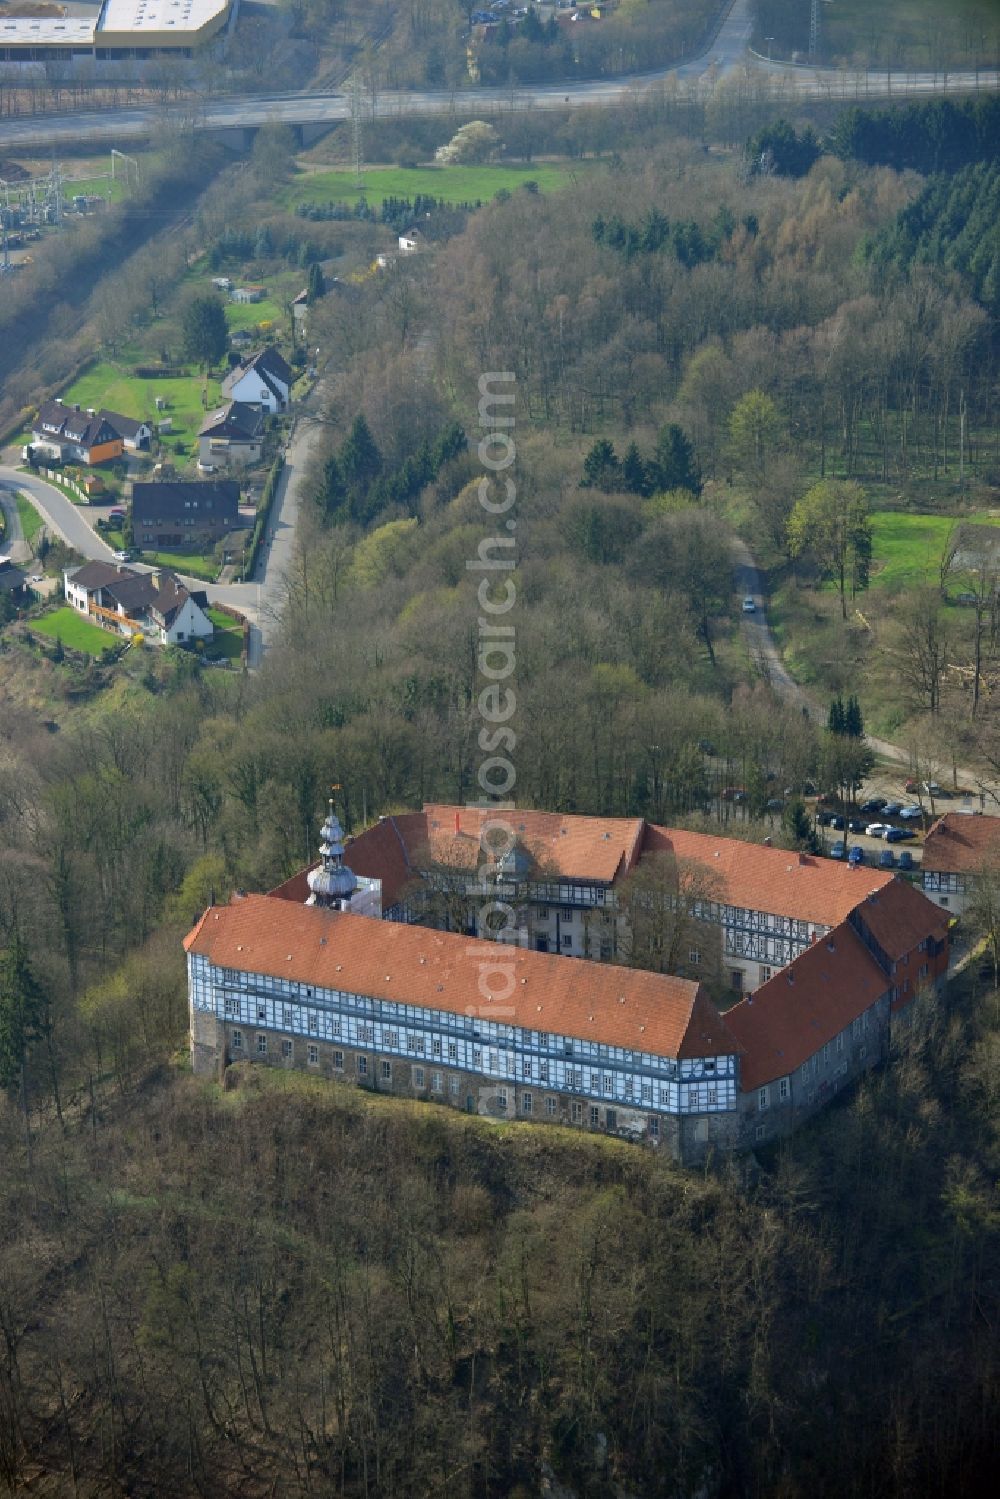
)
(727, 54)
(260, 598)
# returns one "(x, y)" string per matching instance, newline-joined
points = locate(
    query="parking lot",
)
(883, 804)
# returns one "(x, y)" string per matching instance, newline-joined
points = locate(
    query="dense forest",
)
(268, 1287)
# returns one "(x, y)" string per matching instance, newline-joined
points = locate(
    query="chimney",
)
(458, 817)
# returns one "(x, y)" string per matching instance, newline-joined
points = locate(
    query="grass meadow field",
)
(187, 398)
(467, 184)
(906, 549)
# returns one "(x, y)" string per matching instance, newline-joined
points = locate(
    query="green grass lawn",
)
(94, 187)
(247, 315)
(74, 631)
(111, 385)
(906, 548)
(31, 521)
(228, 638)
(193, 563)
(453, 184)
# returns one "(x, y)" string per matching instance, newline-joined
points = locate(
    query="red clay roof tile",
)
(804, 1006)
(957, 844)
(624, 1007)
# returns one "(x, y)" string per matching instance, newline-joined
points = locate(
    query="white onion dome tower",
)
(332, 882)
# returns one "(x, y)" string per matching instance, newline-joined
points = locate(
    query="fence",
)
(65, 482)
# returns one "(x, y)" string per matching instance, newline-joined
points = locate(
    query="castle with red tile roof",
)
(527, 1029)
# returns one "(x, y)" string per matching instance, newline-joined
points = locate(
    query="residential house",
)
(956, 850)
(178, 513)
(154, 604)
(136, 436)
(231, 437)
(13, 580)
(246, 294)
(410, 242)
(264, 380)
(69, 434)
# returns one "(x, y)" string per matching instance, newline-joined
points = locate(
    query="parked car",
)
(775, 804)
(899, 835)
(856, 855)
(910, 785)
(886, 859)
(933, 789)
(906, 859)
(749, 607)
(892, 809)
(116, 513)
(873, 804)
(836, 821)
(824, 819)
(912, 813)
(877, 829)
(837, 850)
(856, 825)
(124, 554)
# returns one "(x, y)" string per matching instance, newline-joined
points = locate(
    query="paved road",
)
(766, 656)
(14, 545)
(726, 55)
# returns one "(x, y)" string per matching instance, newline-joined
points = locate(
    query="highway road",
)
(727, 55)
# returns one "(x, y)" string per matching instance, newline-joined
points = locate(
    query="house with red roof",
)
(957, 849)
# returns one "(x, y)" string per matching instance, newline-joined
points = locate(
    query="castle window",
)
(237, 1040)
(595, 1116)
(453, 1051)
(502, 1097)
(783, 1089)
(694, 957)
(362, 1066)
(313, 1025)
(436, 1046)
(712, 1097)
(232, 1005)
(435, 1082)
(543, 1071)
(418, 1077)
(286, 1016)
(576, 1112)
(526, 1103)
(526, 1067)
(654, 1126)
(262, 1013)
(338, 1058)
(551, 1107)
(760, 1132)
(763, 1098)
(262, 1046)
(387, 1072)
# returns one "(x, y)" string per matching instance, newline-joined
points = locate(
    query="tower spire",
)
(332, 884)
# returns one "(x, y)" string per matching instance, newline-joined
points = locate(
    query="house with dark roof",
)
(264, 380)
(958, 848)
(231, 437)
(136, 436)
(177, 513)
(154, 604)
(73, 435)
